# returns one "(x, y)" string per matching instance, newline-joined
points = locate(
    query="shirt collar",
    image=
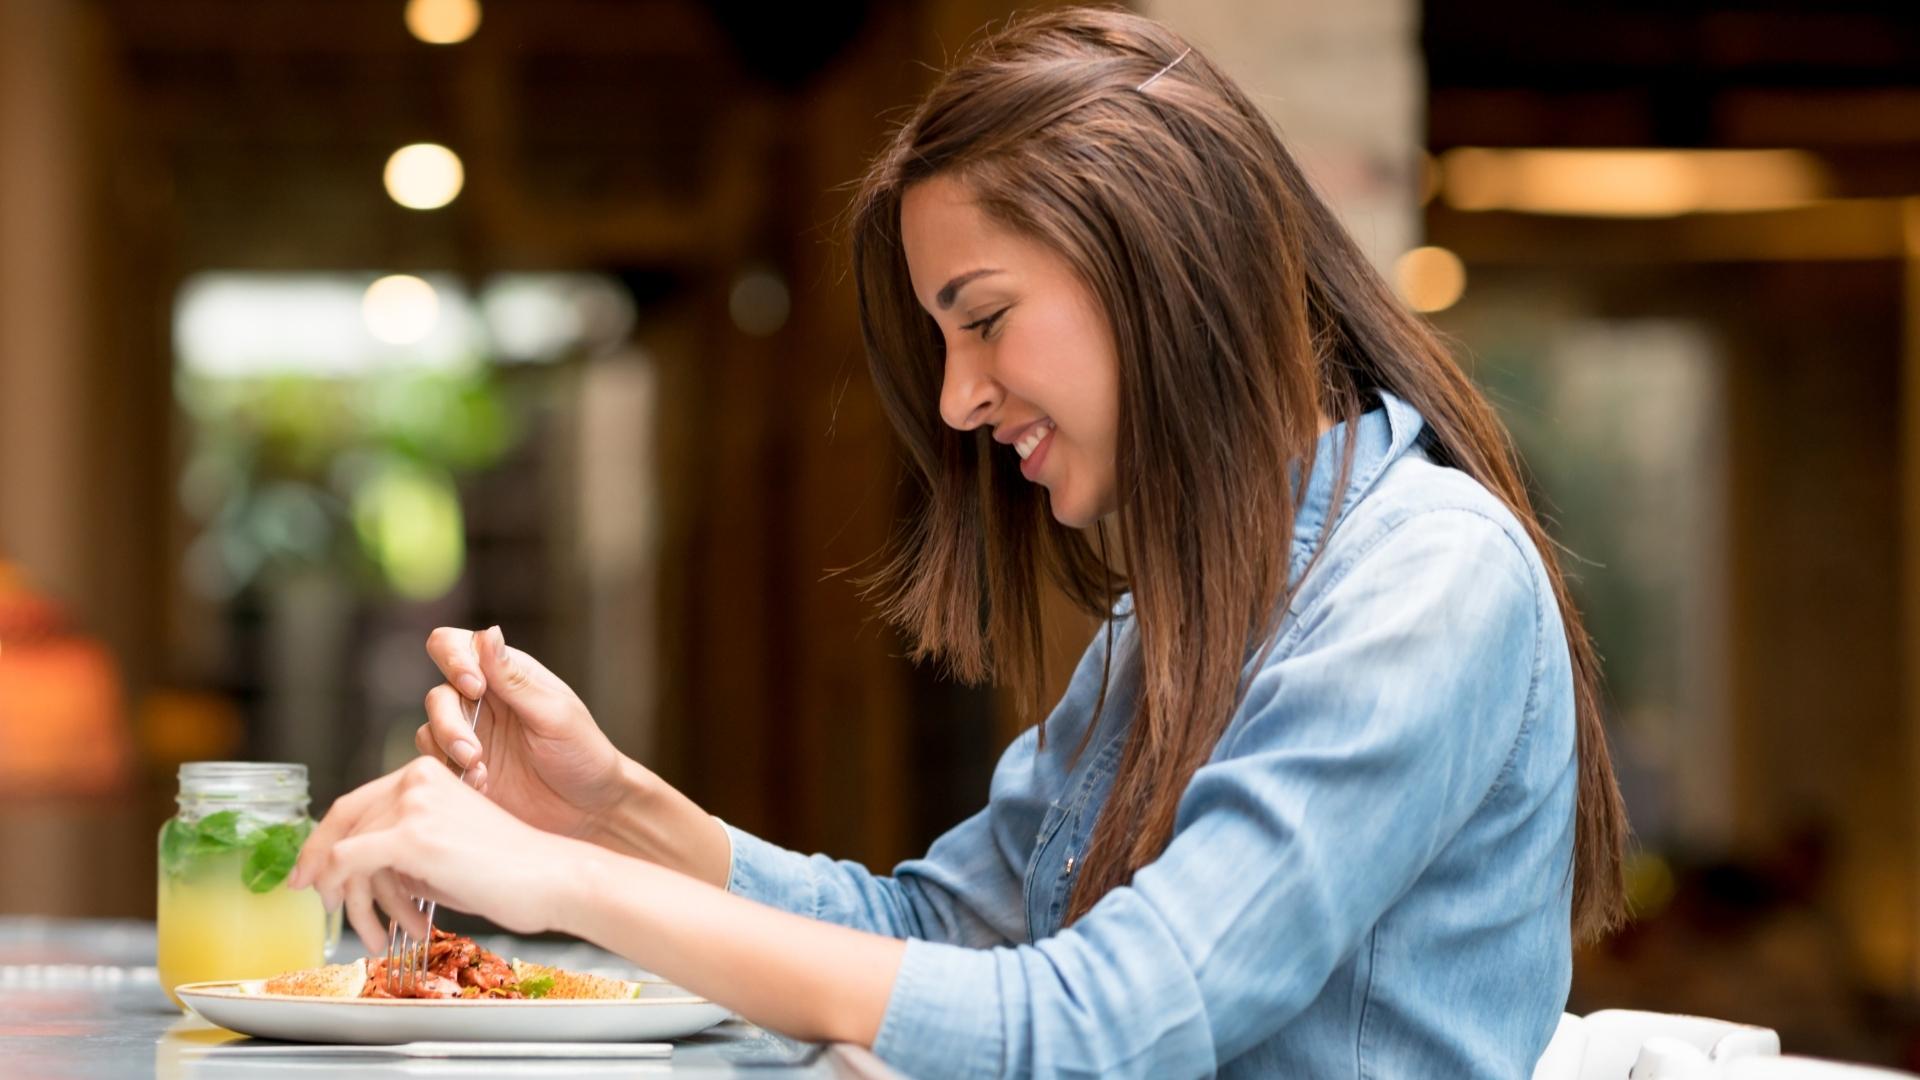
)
(1382, 436)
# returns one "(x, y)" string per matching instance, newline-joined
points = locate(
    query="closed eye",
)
(987, 324)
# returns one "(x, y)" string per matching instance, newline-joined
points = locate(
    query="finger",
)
(423, 742)
(512, 676)
(356, 860)
(357, 819)
(341, 819)
(360, 913)
(453, 652)
(399, 903)
(331, 872)
(330, 895)
(447, 727)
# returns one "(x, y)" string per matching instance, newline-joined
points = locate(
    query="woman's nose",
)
(968, 394)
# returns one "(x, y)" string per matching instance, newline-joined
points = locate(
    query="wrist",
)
(581, 892)
(620, 825)
(652, 820)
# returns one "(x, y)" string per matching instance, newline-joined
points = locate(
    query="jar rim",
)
(243, 779)
(199, 769)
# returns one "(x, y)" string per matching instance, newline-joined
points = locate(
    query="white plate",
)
(662, 1011)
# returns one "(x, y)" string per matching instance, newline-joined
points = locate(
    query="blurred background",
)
(326, 323)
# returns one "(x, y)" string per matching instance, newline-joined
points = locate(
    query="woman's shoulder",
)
(1427, 578)
(1426, 537)
(1418, 502)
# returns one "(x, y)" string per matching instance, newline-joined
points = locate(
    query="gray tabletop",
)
(80, 998)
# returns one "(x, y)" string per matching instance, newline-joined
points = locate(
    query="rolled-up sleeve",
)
(966, 891)
(1383, 721)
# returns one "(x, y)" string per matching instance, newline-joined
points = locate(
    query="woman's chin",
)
(1067, 513)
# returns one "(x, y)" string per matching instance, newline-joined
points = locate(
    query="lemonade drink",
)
(224, 909)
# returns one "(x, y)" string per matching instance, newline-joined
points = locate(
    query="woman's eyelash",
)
(985, 325)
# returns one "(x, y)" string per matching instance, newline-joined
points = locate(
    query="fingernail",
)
(471, 686)
(499, 639)
(464, 751)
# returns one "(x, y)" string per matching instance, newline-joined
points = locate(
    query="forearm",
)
(655, 822)
(811, 980)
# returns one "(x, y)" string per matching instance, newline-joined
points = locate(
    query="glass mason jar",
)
(225, 911)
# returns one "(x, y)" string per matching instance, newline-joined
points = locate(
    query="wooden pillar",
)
(44, 343)
(1910, 551)
(84, 387)
(79, 421)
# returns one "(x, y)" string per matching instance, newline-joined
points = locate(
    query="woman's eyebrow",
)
(945, 296)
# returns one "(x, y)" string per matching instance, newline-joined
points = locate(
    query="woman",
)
(1328, 795)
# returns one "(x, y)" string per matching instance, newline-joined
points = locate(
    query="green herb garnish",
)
(220, 832)
(270, 850)
(175, 839)
(272, 858)
(538, 986)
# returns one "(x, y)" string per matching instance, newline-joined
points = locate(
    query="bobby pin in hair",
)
(1156, 75)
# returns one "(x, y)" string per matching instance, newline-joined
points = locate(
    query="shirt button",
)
(1069, 864)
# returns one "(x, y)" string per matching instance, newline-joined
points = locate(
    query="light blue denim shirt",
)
(1371, 877)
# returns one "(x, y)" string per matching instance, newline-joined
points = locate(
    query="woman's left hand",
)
(418, 831)
(421, 832)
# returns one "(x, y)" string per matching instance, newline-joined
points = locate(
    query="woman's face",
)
(1029, 353)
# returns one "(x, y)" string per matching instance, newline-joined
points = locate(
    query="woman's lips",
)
(1031, 462)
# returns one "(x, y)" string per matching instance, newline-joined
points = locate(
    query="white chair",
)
(1674, 1059)
(1615, 1036)
(1605, 1045)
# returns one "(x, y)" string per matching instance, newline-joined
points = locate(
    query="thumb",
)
(507, 672)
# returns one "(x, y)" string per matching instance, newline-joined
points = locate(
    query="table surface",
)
(80, 998)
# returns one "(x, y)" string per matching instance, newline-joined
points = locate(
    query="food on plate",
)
(457, 968)
(555, 983)
(334, 980)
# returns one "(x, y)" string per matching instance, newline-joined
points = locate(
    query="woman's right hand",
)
(535, 748)
(542, 758)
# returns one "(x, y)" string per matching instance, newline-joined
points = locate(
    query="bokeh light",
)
(443, 22)
(400, 309)
(424, 176)
(759, 302)
(408, 518)
(542, 317)
(1630, 182)
(1430, 278)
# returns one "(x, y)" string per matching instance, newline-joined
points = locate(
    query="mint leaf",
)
(177, 839)
(270, 850)
(538, 986)
(218, 832)
(273, 855)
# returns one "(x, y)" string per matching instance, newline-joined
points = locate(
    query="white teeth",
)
(1031, 440)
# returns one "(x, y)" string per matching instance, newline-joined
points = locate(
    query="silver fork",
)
(406, 958)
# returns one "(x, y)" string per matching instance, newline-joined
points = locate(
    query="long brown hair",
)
(1241, 312)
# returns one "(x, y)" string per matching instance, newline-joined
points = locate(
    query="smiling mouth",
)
(1032, 439)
